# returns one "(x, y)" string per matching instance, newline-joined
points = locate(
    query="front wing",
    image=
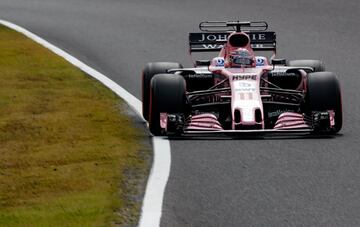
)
(287, 124)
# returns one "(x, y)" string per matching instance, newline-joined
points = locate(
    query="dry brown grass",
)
(68, 157)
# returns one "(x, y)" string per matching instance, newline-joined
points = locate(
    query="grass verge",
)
(68, 155)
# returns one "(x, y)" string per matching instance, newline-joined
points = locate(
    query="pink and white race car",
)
(239, 92)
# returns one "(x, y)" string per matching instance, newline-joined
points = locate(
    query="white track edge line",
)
(154, 194)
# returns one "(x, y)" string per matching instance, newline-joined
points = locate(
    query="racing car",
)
(238, 91)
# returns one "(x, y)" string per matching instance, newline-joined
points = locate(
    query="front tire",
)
(323, 94)
(167, 95)
(149, 71)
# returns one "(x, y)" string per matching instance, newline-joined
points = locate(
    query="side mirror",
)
(280, 61)
(202, 63)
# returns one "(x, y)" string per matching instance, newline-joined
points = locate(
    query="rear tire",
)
(167, 95)
(317, 65)
(324, 93)
(149, 71)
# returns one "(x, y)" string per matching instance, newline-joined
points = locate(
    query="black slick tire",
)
(167, 95)
(149, 71)
(323, 94)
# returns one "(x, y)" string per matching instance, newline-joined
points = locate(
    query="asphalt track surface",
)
(225, 182)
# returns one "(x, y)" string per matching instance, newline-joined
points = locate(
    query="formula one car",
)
(238, 92)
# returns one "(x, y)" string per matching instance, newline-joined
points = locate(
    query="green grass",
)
(68, 155)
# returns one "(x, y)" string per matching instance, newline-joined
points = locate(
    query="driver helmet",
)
(241, 57)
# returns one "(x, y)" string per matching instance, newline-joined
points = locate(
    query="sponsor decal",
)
(283, 74)
(245, 89)
(260, 61)
(277, 113)
(215, 41)
(212, 46)
(222, 37)
(202, 76)
(244, 77)
(219, 61)
(213, 38)
(258, 36)
(242, 86)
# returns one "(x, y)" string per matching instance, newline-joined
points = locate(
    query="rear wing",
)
(208, 42)
(216, 33)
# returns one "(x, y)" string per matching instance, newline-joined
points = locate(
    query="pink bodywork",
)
(245, 86)
(245, 94)
(204, 122)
